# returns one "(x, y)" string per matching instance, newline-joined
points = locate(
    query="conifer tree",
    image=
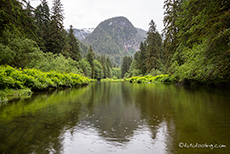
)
(125, 65)
(73, 42)
(172, 9)
(153, 47)
(57, 39)
(141, 60)
(90, 59)
(42, 18)
(57, 14)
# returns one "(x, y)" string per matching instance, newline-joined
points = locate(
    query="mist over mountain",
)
(115, 37)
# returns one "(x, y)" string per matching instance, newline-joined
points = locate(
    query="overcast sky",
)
(89, 13)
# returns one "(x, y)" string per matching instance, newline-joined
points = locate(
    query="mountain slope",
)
(115, 37)
(82, 33)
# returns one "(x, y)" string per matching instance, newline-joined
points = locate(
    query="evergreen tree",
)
(57, 14)
(73, 42)
(125, 65)
(98, 70)
(172, 9)
(141, 60)
(42, 15)
(86, 67)
(197, 40)
(42, 18)
(90, 59)
(16, 16)
(108, 67)
(57, 39)
(153, 47)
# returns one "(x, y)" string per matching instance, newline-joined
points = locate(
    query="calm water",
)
(118, 118)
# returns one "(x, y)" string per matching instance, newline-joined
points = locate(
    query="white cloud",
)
(89, 13)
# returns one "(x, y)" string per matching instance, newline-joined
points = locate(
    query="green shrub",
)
(37, 80)
(145, 79)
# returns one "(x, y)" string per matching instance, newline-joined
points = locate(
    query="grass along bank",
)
(23, 81)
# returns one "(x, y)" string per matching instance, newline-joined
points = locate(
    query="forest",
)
(194, 47)
(36, 38)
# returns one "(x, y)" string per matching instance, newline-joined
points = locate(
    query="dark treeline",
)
(195, 47)
(36, 38)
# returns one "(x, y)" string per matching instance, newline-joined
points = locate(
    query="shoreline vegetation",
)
(23, 82)
(164, 78)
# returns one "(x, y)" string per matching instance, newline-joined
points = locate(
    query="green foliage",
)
(155, 72)
(125, 65)
(116, 73)
(86, 67)
(90, 59)
(133, 71)
(73, 42)
(141, 59)
(172, 9)
(54, 62)
(148, 58)
(198, 68)
(17, 50)
(17, 15)
(37, 80)
(112, 80)
(153, 49)
(98, 71)
(200, 46)
(42, 20)
(147, 79)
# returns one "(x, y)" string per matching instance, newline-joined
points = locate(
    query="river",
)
(118, 118)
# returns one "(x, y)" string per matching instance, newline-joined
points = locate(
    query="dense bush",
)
(54, 62)
(37, 80)
(111, 80)
(146, 79)
(212, 70)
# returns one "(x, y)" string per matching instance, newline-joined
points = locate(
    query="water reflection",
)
(116, 118)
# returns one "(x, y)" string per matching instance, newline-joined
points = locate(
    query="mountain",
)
(82, 33)
(115, 37)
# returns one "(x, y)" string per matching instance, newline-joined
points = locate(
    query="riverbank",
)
(18, 82)
(112, 80)
(164, 78)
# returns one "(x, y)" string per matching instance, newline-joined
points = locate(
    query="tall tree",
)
(153, 47)
(42, 14)
(172, 9)
(108, 67)
(98, 70)
(141, 60)
(42, 18)
(90, 59)
(14, 15)
(57, 34)
(57, 14)
(73, 42)
(125, 65)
